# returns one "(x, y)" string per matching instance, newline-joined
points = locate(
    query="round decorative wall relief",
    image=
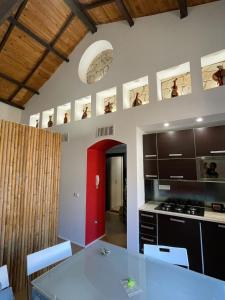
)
(95, 62)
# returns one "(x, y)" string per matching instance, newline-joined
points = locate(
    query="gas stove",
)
(189, 207)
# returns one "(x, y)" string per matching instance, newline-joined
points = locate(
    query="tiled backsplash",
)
(203, 191)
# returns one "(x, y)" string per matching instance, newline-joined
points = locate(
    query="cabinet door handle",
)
(147, 240)
(147, 227)
(221, 226)
(217, 151)
(177, 220)
(148, 216)
(176, 176)
(150, 155)
(175, 154)
(151, 176)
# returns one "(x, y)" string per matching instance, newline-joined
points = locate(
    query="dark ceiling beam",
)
(183, 8)
(7, 7)
(79, 11)
(37, 38)
(97, 4)
(45, 54)
(16, 82)
(11, 26)
(122, 7)
(11, 103)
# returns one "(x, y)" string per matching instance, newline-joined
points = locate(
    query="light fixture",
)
(199, 120)
(166, 124)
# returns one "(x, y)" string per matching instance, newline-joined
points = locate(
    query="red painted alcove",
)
(95, 198)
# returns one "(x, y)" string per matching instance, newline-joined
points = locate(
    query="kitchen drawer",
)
(147, 217)
(148, 229)
(149, 240)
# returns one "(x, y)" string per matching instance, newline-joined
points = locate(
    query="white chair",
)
(172, 255)
(6, 292)
(47, 257)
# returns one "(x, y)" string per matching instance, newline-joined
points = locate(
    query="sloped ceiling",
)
(40, 35)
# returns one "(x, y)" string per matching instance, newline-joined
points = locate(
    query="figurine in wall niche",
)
(65, 121)
(137, 101)
(108, 108)
(50, 123)
(174, 92)
(85, 114)
(37, 124)
(219, 75)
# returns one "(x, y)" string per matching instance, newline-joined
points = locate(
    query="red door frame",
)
(95, 197)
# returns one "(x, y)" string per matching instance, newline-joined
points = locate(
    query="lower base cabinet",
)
(184, 233)
(213, 238)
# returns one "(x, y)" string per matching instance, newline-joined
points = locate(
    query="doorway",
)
(106, 192)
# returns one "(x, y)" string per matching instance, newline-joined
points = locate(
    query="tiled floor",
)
(115, 234)
(115, 230)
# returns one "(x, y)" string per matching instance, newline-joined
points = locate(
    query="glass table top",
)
(89, 275)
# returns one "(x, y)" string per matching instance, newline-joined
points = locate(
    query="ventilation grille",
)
(65, 137)
(104, 131)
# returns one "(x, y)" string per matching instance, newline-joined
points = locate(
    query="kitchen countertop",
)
(209, 214)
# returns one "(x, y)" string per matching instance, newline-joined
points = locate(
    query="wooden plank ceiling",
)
(40, 35)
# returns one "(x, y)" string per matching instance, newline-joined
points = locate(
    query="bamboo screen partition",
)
(29, 192)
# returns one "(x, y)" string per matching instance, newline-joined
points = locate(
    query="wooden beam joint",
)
(122, 7)
(7, 7)
(79, 11)
(183, 8)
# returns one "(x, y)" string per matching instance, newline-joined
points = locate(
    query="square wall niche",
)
(47, 116)
(35, 120)
(174, 82)
(83, 108)
(106, 101)
(64, 114)
(136, 93)
(213, 70)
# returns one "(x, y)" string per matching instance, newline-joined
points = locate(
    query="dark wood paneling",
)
(151, 169)
(184, 233)
(176, 144)
(210, 139)
(177, 169)
(149, 146)
(213, 235)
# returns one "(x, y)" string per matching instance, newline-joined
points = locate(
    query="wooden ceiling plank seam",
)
(183, 8)
(7, 8)
(40, 61)
(78, 10)
(37, 38)
(11, 26)
(122, 7)
(11, 103)
(20, 84)
(96, 4)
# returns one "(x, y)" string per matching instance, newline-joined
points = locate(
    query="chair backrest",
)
(47, 257)
(175, 256)
(4, 278)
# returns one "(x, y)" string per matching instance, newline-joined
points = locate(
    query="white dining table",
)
(90, 275)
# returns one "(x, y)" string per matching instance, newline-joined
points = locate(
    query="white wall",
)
(153, 44)
(10, 113)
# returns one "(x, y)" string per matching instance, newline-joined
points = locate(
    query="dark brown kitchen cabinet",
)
(149, 146)
(184, 233)
(147, 229)
(177, 169)
(174, 144)
(210, 141)
(151, 168)
(213, 236)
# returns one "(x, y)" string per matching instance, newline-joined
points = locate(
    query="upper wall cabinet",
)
(210, 141)
(176, 144)
(149, 146)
